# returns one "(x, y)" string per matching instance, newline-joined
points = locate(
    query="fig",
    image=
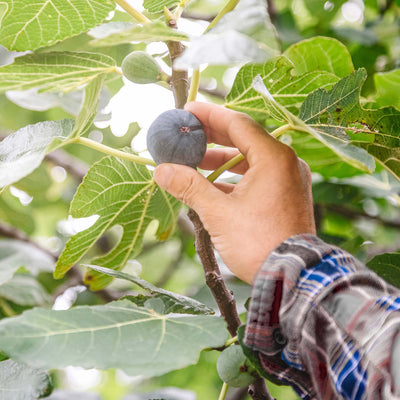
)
(140, 67)
(234, 368)
(177, 136)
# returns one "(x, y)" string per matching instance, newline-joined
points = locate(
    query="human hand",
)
(272, 201)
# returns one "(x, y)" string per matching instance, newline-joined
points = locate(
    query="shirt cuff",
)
(285, 289)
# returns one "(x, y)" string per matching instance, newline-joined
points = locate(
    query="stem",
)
(7, 308)
(194, 85)
(228, 8)
(113, 152)
(222, 295)
(281, 130)
(224, 389)
(179, 79)
(231, 341)
(138, 16)
(225, 167)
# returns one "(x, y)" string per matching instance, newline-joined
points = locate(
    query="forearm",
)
(322, 322)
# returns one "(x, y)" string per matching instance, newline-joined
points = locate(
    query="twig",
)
(179, 79)
(224, 297)
(272, 11)
(14, 233)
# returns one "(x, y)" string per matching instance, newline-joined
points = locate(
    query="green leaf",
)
(115, 335)
(20, 382)
(114, 33)
(173, 302)
(354, 156)
(30, 24)
(319, 157)
(155, 6)
(23, 151)
(320, 54)
(339, 111)
(277, 74)
(387, 86)
(15, 254)
(121, 193)
(54, 71)
(89, 107)
(25, 290)
(387, 266)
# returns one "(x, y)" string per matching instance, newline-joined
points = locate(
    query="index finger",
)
(234, 129)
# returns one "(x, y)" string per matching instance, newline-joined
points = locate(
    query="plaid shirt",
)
(323, 323)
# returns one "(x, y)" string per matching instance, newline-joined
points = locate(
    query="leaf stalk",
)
(223, 392)
(138, 16)
(114, 152)
(225, 167)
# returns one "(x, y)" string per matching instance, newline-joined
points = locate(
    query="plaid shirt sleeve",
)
(323, 323)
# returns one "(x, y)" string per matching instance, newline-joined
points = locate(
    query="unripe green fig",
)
(140, 67)
(177, 136)
(234, 368)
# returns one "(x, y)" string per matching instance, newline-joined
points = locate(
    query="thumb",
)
(188, 186)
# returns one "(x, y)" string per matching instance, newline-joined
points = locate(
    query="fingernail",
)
(163, 175)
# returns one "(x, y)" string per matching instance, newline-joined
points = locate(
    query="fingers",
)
(234, 129)
(190, 187)
(214, 158)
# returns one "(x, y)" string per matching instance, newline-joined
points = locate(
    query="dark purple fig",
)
(177, 136)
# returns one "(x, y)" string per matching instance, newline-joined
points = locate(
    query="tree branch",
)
(179, 79)
(14, 233)
(223, 296)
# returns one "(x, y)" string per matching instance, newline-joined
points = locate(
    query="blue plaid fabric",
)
(323, 323)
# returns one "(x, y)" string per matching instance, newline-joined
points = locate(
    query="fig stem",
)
(223, 392)
(113, 152)
(194, 85)
(282, 129)
(225, 167)
(138, 16)
(240, 157)
(231, 341)
(229, 6)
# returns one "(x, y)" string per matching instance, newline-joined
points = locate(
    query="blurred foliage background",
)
(360, 213)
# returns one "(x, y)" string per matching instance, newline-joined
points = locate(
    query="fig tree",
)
(140, 67)
(177, 136)
(234, 368)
